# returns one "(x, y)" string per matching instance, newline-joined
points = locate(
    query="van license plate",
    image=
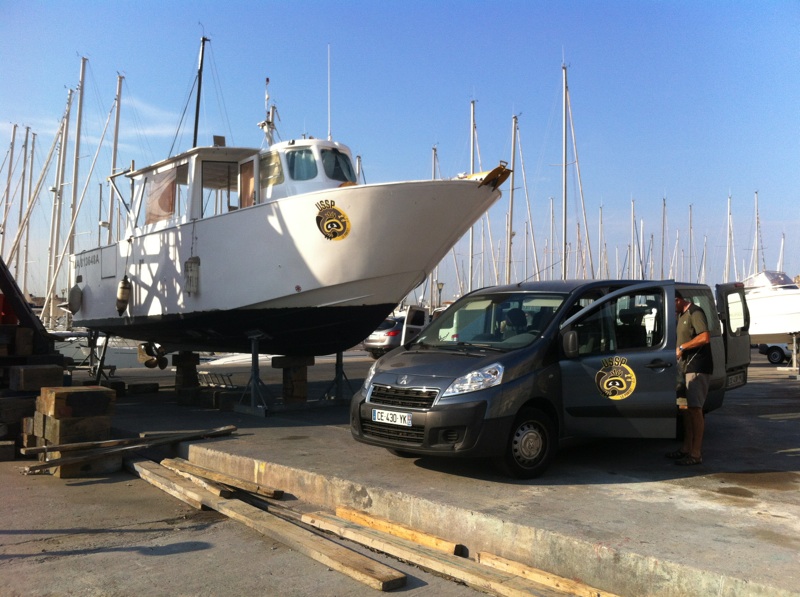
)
(392, 418)
(735, 380)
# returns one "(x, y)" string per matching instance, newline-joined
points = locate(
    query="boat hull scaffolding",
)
(309, 274)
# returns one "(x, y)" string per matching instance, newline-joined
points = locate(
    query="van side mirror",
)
(569, 342)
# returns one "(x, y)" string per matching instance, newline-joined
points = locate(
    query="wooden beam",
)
(311, 544)
(164, 479)
(467, 571)
(400, 530)
(566, 585)
(103, 452)
(93, 445)
(180, 464)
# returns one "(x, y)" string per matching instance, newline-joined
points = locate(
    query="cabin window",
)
(160, 197)
(182, 189)
(301, 164)
(220, 187)
(337, 165)
(269, 170)
(247, 191)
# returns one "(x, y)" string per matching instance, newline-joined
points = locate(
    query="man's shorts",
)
(697, 389)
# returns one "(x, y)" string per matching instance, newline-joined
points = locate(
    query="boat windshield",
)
(770, 280)
(337, 165)
(502, 320)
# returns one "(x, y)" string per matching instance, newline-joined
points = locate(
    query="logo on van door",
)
(615, 380)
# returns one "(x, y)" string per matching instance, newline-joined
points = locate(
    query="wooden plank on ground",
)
(467, 571)
(400, 530)
(201, 471)
(103, 452)
(90, 445)
(212, 486)
(317, 547)
(166, 480)
(559, 583)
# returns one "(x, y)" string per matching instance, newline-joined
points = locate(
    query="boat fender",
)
(74, 299)
(123, 294)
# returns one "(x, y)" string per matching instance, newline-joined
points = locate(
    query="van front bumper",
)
(453, 430)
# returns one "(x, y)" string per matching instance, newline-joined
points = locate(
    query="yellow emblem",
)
(615, 380)
(332, 221)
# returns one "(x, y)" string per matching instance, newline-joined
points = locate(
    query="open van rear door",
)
(416, 318)
(735, 317)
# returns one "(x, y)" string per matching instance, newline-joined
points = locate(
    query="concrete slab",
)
(614, 514)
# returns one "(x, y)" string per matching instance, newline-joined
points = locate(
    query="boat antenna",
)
(330, 137)
(203, 41)
(268, 124)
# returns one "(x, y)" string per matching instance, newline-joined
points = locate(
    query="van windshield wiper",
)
(481, 346)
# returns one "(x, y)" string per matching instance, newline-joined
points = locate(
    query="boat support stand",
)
(259, 395)
(340, 377)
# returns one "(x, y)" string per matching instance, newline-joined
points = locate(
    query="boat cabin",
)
(210, 181)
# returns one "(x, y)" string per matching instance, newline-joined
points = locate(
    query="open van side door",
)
(416, 319)
(735, 318)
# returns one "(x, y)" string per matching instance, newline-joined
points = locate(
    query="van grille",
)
(403, 397)
(409, 435)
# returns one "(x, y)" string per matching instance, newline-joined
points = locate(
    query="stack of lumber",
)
(67, 415)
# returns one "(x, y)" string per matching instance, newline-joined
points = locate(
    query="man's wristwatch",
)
(680, 348)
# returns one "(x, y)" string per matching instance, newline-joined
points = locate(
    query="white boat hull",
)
(270, 269)
(774, 315)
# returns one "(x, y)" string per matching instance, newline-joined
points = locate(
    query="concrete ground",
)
(614, 514)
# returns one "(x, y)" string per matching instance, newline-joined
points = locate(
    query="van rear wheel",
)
(531, 445)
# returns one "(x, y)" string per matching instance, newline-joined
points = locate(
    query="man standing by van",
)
(694, 360)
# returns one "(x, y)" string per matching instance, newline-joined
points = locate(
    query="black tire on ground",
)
(775, 355)
(531, 446)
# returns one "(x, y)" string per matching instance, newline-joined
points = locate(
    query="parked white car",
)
(776, 353)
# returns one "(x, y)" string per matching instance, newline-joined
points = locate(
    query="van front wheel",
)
(531, 445)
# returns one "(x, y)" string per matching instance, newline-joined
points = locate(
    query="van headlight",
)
(489, 376)
(370, 375)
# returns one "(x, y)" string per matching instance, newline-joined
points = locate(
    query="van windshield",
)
(503, 320)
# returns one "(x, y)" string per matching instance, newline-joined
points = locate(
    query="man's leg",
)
(697, 424)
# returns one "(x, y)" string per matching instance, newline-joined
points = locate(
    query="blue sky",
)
(685, 101)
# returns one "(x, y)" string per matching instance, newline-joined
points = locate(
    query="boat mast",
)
(55, 220)
(203, 41)
(31, 199)
(472, 133)
(8, 189)
(112, 199)
(727, 271)
(580, 187)
(564, 176)
(510, 230)
(663, 233)
(17, 261)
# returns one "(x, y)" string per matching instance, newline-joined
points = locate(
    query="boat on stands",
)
(227, 245)
(773, 300)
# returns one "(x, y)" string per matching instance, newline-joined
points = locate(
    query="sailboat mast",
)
(564, 176)
(726, 272)
(663, 233)
(112, 199)
(31, 198)
(76, 157)
(17, 261)
(203, 41)
(471, 171)
(8, 190)
(510, 230)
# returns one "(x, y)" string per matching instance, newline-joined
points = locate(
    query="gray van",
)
(508, 372)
